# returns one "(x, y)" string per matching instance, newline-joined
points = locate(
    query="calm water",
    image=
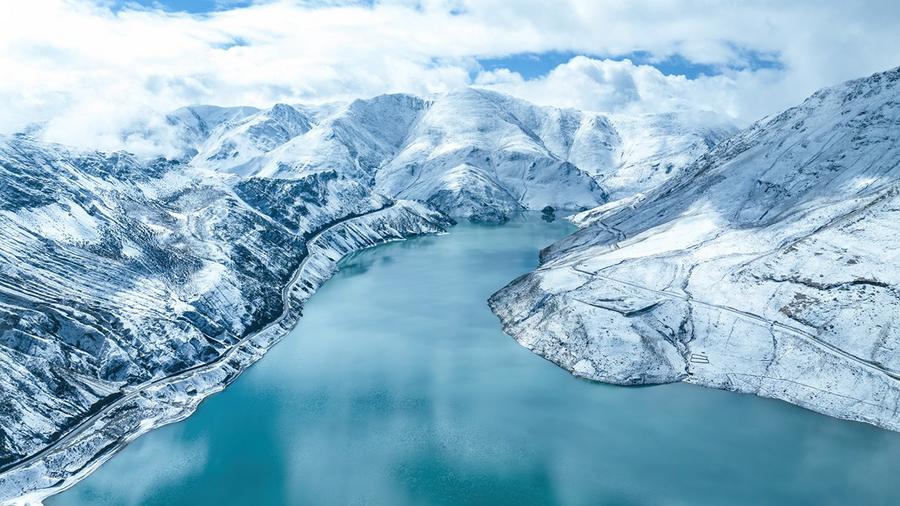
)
(398, 387)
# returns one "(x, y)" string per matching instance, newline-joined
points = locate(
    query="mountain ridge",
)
(767, 268)
(432, 141)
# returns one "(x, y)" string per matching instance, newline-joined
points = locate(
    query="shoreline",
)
(822, 378)
(167, 400)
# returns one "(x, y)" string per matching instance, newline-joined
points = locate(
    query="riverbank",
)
(163, 401)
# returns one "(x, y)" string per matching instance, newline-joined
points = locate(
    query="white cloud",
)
(621, 86)
(89, 71)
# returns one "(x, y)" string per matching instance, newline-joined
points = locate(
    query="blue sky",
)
(208, 6)
(534, 65)
(192, 6)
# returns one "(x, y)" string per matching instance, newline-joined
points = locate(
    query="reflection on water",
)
(398, 387)
(132, 477)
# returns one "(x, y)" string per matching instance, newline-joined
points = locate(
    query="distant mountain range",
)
(471, 154)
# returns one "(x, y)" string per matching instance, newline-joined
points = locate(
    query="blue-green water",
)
(398, 387)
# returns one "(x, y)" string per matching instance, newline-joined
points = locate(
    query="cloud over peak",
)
(87, 68)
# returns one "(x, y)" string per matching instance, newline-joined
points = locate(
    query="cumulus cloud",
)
(87, 70)
(620, 86)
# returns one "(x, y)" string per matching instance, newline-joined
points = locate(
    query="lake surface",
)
(398, 387)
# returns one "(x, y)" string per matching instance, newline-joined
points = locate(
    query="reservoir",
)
(399, 387)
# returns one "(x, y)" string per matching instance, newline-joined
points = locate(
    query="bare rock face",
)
(768, 266)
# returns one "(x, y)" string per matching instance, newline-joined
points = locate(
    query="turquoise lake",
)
(399, 387)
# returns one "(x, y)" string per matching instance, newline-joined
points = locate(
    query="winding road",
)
(809, 337)
(132, 392)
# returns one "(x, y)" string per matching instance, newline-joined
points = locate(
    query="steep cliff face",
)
(768, 267)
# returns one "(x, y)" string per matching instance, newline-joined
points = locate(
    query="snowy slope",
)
(479, 154)
(130, 288)
(485, 153)
(656, 147)
(470, 153)
(116, 272)
(769, 267)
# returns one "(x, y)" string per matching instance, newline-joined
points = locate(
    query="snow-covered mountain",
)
(472, 154)
(134, 289)
(130, 289)
(769, 266)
